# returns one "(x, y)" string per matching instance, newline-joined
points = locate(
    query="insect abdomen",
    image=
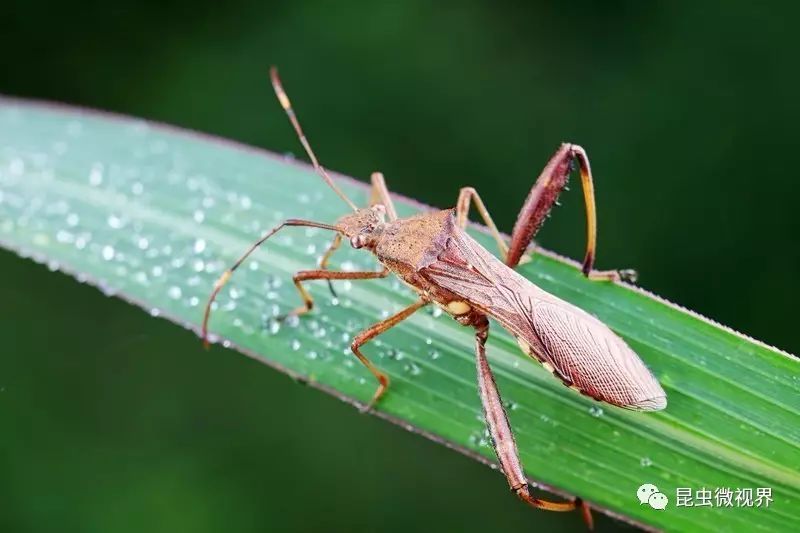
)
(586, 355)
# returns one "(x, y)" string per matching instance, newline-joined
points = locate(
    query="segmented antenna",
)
(287, 106)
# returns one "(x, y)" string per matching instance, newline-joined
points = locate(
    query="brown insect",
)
(433, 254)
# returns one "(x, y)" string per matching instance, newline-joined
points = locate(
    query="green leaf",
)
(154, 214)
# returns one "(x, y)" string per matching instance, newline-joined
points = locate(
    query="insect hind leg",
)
(502, 436)
(540, 201)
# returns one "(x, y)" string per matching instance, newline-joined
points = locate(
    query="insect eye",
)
(358, 241)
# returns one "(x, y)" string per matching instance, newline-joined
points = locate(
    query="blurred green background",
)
(116, 421)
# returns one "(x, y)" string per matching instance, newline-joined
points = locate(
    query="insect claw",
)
(333, 292)
(586, 511)
(628, 275)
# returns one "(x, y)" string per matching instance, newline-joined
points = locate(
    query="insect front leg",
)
(226, 276)
(310, 275)
(323, 263)
(372, 332)
(502, 436)
(380, 195)
(540, 201)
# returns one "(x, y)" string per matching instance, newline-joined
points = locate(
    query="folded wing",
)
(579, 349)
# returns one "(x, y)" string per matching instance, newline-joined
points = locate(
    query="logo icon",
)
(649, 494)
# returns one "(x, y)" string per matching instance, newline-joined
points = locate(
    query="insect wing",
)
(579, 349)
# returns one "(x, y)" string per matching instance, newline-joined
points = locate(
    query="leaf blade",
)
(158, 210)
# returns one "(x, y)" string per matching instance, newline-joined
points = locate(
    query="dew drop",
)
(199, 216)
(235, 293)
(96, 175)
(295, 344)
(65, 237)
(646, 461)
(596, 411)
(199, 246)
(413, 369)
(174, 292)
(73, 220)
(108, 253)
(115, 222)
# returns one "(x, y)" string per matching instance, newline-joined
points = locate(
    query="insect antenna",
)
(287, 106)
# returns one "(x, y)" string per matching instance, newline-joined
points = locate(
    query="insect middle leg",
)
(502, 436)
(543, 196)
(323, 263)
(310, 275)
(468, 195)
(372, 332)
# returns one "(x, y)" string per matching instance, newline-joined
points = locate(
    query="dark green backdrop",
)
(115, 421)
